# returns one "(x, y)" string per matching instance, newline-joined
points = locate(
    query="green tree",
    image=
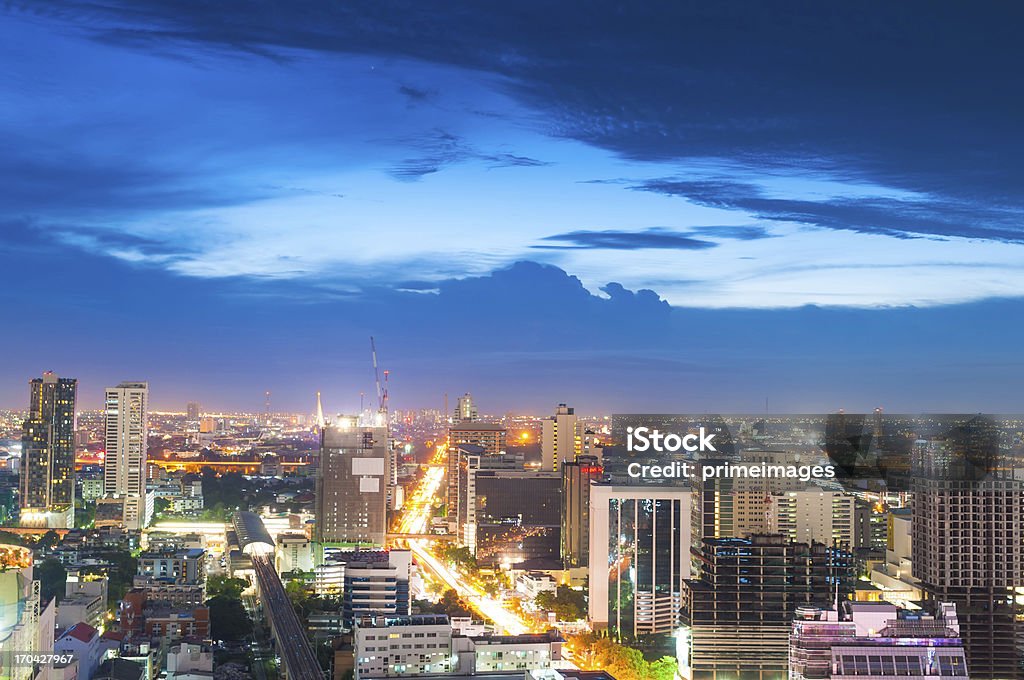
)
(161, 505)
(566, 603)
(52, 575)
(220, 585)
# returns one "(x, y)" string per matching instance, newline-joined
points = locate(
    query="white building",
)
(124, 464)
(530, 584)
(82, 642)
(663, 515)
(187, 661)
(404, 645)
(813, 515)
(293, 552)
(425, 644)
(895, 577)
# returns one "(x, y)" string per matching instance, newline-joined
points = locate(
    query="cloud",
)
(655, 237)
(902, 218)
(441, 149)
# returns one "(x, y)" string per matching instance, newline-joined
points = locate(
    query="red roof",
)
(82, 632)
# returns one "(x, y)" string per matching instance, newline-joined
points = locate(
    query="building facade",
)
(577, 476)
(125, 440)
(639, 557)
(47, 483)
(351, 484)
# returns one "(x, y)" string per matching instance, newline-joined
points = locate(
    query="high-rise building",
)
(639, 557)
(490, 437)
(465, 410)
(124, 463)
(48, 454)
(561, 438)
(351, 483)
(192, 410)
(577, 477)
(968, 541)
(875, 641)
(737, 615)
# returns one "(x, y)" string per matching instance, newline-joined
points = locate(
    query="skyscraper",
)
(576, 478)
(560, 438)
(124, 464)
(968, 541)
(351, 483)
(48, 453)
(192, 410)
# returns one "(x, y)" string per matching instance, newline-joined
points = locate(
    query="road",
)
(419, 508)
(297, 658)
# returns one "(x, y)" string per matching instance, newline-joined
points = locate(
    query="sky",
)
(622, 206)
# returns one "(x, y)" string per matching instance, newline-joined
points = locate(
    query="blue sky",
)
(680, 206)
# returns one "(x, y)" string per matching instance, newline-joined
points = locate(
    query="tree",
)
(48, 541)
(228, 619)
(566, 603)
(160, 505)
(52, 575)
(225, 586)
(596, 652)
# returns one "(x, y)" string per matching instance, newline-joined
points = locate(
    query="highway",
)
(415, 520)
(297, 658)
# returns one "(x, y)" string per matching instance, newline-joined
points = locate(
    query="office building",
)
(124, 463)
(875, 641)
(490, 437)
(192, 412)
(47, 484)
(968, 541)
(561, 438)
(636, 578)
(465, 410)
(471, 459)
(518, 517)
(351, 484)
(577, 477)
(737, 614)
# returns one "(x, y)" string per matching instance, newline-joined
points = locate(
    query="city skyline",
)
(615, 208)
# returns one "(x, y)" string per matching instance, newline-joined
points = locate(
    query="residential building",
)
(47, 483)
(392, 646)
(124, 464)
(968, 541)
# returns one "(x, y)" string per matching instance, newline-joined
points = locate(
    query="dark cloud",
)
(915, 95)
(627, 240)
(903, 218)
